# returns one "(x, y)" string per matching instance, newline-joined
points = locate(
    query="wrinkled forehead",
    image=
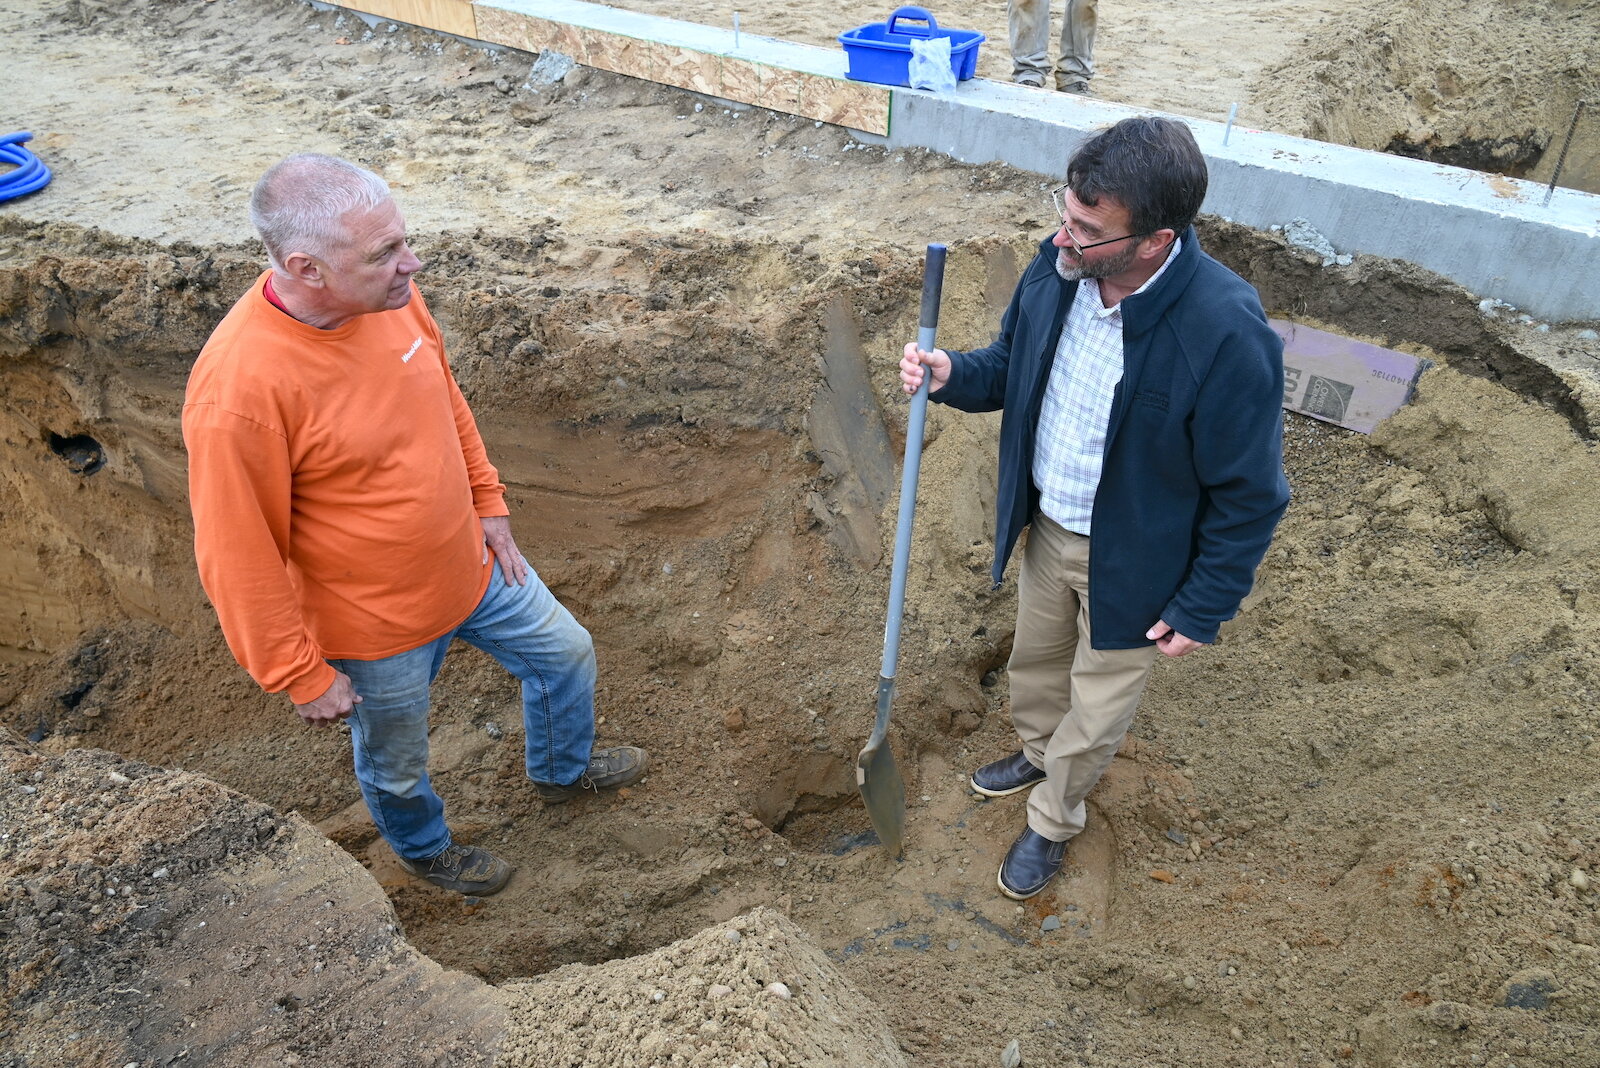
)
(1104, 212)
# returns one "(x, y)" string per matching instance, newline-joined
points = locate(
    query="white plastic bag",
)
(930, 66)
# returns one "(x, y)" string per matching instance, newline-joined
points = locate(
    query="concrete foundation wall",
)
(1489, 233)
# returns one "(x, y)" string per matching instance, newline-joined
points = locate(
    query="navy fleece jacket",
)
(1193, 482)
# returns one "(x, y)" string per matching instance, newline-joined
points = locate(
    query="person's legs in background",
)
(1077, 46)
(1029, 25)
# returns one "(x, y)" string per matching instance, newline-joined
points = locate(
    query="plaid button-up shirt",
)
(1070, 448)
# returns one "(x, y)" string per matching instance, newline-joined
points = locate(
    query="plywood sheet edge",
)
(860, 106)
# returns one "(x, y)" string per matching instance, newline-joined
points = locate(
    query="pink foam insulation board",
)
(1344, 381)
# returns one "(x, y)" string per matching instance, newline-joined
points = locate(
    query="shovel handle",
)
(927, 325)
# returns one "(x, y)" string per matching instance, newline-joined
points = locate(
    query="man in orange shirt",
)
(348, 523)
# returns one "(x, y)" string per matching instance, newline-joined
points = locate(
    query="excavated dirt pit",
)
(1362, 829)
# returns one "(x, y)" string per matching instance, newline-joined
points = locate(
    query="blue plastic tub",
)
(881, 51)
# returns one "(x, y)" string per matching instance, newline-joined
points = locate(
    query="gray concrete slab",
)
(1491, 234)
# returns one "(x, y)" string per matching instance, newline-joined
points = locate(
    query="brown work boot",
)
(464, 869)
(608, 769)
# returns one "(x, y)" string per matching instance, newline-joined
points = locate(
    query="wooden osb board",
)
(858, 105)
(446, 16)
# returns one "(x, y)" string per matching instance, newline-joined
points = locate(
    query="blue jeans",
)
(532, 636)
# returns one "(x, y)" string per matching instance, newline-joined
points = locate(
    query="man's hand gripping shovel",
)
(876, 774)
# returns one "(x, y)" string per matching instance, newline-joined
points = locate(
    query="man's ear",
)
(303, 268)
(1157, 244)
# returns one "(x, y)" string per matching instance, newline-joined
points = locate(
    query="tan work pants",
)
(1029, 23)
(1071, 703)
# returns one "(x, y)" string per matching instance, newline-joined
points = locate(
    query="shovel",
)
(876, 774)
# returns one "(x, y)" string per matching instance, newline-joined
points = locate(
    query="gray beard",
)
(1105, 269)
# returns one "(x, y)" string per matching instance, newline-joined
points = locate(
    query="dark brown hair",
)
(1149, 165)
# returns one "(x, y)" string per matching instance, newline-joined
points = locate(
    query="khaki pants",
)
(1071, 704)
(1029, 22)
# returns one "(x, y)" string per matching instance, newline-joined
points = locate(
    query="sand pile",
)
(1479, 84)
(756, 992)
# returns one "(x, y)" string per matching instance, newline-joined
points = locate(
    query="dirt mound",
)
(153, 915)
(1479, 84)
(754, 991)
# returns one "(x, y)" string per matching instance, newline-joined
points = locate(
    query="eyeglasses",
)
(1058, 197)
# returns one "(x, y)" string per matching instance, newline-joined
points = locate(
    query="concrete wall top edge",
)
(1410, 179)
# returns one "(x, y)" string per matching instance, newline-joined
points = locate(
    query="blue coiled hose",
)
(30, 175)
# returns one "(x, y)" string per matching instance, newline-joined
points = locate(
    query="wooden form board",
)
(858, 105)
(446, 16)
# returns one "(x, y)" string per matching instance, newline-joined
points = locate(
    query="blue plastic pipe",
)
(30, 176)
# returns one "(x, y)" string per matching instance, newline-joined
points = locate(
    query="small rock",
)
(734, 720)
(733, 936)
(779, 862)
(550, 67)
(1449, 1015)
(1588, 335)
(953, 945)
(717, 990)
(658, 996)
(1051, 923)
(779, 991)
(493, 730)
(1578, 879)
(117, 777)
(1011, 1056)
(1527, 990)
(1162, 875)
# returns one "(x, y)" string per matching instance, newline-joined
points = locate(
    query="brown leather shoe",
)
(464, 869)
(620, 765)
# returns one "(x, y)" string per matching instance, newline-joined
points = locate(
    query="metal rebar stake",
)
(1562, 158)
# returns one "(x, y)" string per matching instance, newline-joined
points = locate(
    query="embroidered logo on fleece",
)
(412, 351)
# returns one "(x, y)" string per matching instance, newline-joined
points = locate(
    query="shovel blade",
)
(884, 793)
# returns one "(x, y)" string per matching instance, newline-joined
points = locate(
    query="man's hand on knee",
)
(337, 702)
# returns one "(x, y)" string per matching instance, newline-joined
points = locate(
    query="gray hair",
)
(298, 204)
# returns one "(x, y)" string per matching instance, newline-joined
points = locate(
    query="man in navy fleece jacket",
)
(1142, 446)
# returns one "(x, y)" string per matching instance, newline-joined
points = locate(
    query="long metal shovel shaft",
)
(882, 789)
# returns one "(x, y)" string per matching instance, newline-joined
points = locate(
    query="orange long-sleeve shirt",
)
(336, 478)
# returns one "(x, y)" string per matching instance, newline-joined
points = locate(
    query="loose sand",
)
(1362, 829)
